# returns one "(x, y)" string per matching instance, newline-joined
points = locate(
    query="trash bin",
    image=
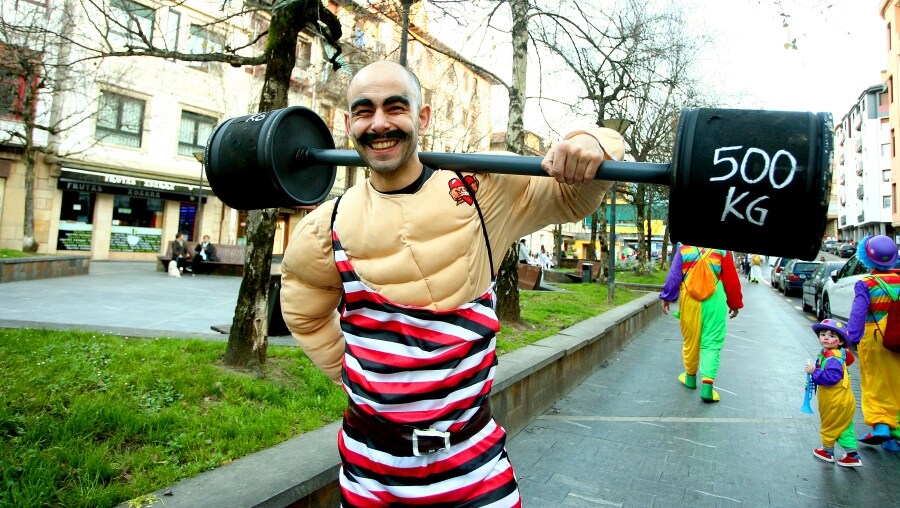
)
(587, 270)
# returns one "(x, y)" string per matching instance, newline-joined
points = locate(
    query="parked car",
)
(838, 292)
(846, 250)
(812, 287)
(830, 245)
(795, 274)
(775, 274)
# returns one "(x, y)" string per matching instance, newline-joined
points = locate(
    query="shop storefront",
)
(107, 214)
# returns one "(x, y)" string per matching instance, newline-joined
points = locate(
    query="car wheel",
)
(806, 307)
(820, 313)
(826, 307)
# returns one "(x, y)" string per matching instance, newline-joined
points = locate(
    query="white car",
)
(838, 292)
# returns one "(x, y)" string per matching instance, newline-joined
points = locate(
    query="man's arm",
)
(310, 293)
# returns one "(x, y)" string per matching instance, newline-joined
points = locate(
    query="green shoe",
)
(688, 380)
(707, 393)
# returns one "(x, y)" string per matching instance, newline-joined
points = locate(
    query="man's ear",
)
(424, 118)
(347, 124)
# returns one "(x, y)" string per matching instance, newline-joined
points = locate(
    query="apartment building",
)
(863, 155)
(123, 172)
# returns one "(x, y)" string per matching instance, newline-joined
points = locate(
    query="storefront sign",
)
(74, 236)
(104, 183)
(128, 239)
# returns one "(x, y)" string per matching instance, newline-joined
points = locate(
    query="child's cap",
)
(834, 325)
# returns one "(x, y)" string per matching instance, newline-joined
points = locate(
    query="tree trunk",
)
(248, 338)
(591, 251)
(603, 236)
(508, 274)
(510, 312)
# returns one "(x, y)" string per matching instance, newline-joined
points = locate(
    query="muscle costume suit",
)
(413, 344)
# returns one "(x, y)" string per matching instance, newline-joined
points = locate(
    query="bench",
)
(530, 276)
(578, 275)
(230, 259)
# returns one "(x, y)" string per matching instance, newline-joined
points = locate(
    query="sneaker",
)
(850, 461)
(880, 433)
(822, 453)
(891, 445)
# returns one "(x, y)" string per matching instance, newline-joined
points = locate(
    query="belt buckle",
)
(430, 432)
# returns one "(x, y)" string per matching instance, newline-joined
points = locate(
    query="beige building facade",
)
(125, 174)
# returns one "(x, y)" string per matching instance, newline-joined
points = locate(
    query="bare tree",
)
(35, 73)
(267, 36)
(631, 63)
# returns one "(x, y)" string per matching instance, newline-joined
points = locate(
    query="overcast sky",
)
(841, 52)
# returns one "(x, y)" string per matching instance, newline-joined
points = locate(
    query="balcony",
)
(860, 192)
(861, 218)
(843, 220)
(859, 168)
(857, 144)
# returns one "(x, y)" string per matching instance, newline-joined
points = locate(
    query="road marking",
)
(696, 443)
(720, 497)
(667, 419)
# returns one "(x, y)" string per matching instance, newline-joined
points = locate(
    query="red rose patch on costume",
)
(458, 191)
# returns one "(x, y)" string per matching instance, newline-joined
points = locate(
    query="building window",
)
(137, 212)
(886, 175)
(120, 120)
(194, 133)
(75, 218)
(173, 30)
(886, 201)
(12, 92)
(304, 53)
(131, 24)
(203, 42)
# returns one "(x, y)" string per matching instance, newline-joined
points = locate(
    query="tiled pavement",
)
(631, 435)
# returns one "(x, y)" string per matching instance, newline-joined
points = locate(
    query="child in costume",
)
(837, 404)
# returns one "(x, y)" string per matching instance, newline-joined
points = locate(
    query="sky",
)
(841, 51)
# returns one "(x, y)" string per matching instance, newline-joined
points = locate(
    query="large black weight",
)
(752, 181)
(251, 160)
(744, 180)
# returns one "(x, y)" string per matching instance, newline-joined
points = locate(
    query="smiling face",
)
(386, 117)
(830, 339)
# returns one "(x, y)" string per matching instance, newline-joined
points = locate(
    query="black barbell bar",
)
(635, 172)
(744, 180)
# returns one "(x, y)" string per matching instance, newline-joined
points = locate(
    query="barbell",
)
(744, 180)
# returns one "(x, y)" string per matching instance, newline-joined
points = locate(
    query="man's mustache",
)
(369, 137)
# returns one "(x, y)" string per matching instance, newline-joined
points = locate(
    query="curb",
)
(303, 471)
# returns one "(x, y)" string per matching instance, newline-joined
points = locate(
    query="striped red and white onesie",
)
(412, 261)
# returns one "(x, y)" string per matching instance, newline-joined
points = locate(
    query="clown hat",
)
(834, 325)
(877, 251)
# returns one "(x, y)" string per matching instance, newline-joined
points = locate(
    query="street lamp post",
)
(198, 222)
(618, 124)
(404, 33)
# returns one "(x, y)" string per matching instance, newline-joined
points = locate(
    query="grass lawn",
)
(88, 419)
(9, 254)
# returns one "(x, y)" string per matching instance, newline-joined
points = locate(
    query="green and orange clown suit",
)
(703, 323)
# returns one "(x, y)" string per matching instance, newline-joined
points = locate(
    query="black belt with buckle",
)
(403, 440)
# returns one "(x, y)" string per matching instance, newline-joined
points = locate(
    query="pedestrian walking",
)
(756, 264)
(389, 289)
(706, 283)
(870, 315)
(837, 404)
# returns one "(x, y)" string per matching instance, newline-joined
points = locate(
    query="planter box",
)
(43, 267)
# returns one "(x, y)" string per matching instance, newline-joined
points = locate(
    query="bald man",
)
(389, 290)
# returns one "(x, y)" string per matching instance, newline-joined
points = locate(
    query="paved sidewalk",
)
(129, 298)
(631, 435)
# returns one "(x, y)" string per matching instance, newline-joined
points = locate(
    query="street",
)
(631, 435)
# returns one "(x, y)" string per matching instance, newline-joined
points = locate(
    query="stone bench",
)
(230, 259)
